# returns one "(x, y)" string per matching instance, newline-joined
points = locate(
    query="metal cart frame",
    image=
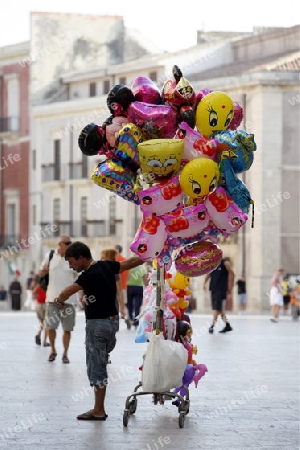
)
(158, 397)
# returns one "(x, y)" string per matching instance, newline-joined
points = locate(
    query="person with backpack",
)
(60, 276)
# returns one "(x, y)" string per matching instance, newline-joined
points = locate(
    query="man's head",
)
(119, 248)
(78, 255)
(63, 244)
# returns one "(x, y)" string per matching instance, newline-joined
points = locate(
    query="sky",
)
(168, 24)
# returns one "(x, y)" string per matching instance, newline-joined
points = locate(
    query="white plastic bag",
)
(164, 365)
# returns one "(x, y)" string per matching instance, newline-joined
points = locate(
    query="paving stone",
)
(248, 399)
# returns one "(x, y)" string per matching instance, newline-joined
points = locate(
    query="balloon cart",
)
(182, 402)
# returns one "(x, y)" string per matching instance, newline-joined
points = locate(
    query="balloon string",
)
(252, 222)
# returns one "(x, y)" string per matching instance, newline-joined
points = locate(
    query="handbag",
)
(44, 280)
(164, 364)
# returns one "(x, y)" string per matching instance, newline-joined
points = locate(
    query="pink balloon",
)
(161, 198)
(150, 237)
(237, 118)
(224, 213)
(195, 144)
(145, 90)
(198, 259)
(155, 121)
(187, 221)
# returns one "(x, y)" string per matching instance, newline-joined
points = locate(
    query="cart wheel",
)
(181, 420)
(125, 418)
(133, 406)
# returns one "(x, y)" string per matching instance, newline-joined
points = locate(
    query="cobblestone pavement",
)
(248, 399)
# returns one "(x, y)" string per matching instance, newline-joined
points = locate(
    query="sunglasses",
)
(66, 243)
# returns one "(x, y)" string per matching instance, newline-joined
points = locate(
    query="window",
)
(106, 87)
(112, 215)
(33, 214)
(11, 223)
(13, 103)
(56, 209)
(33, 159)
(93, 89)
(122, 80)
(57, 159)
(83, 215)
(84, 166)
(153, 76)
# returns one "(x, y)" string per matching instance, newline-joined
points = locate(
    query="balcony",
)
(85, 228)
(9, 125)
(10, 242)
(64, 172)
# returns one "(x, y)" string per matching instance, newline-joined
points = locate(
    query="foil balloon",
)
(187, 221)
(110, 175)
(112, 130)
(160, 159)
(180, 94)
(91, 139)
(243, 145)
(196, 145)
(199, 258)
(224, 213)
(145, 90)
(199, 177)
(150, 237)
(214, 113)
(161, 198)
(237, 117)
(235, 187)
(155, 121)
(118, 100)
(126, 145)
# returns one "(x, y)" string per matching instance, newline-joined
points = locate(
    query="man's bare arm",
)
(67, 292)
(130, 263)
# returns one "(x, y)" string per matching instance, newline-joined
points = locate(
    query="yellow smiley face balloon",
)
(160, 158)
(214, 113)
(199, 177)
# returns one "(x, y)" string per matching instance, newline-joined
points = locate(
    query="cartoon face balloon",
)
(160, 158)
(214, 113)
(199, 177)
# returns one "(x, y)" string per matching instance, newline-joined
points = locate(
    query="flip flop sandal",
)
(65, 360)
(52, 357)
(90, 416)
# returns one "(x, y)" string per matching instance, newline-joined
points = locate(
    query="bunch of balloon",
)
(177, 155)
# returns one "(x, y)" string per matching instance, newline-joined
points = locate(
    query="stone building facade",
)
(261, 72)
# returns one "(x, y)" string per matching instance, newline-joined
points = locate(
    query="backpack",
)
(44, 280)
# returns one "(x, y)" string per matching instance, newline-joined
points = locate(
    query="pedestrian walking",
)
(276, 297)
(221, 281)
(285, 289)
(123, 275)
(30, 285)
(137, 280)
(60, 276)
(98, 283)
(242, 294)
(15, 292)
(39, 296)
(111, 255)
(295, 301)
